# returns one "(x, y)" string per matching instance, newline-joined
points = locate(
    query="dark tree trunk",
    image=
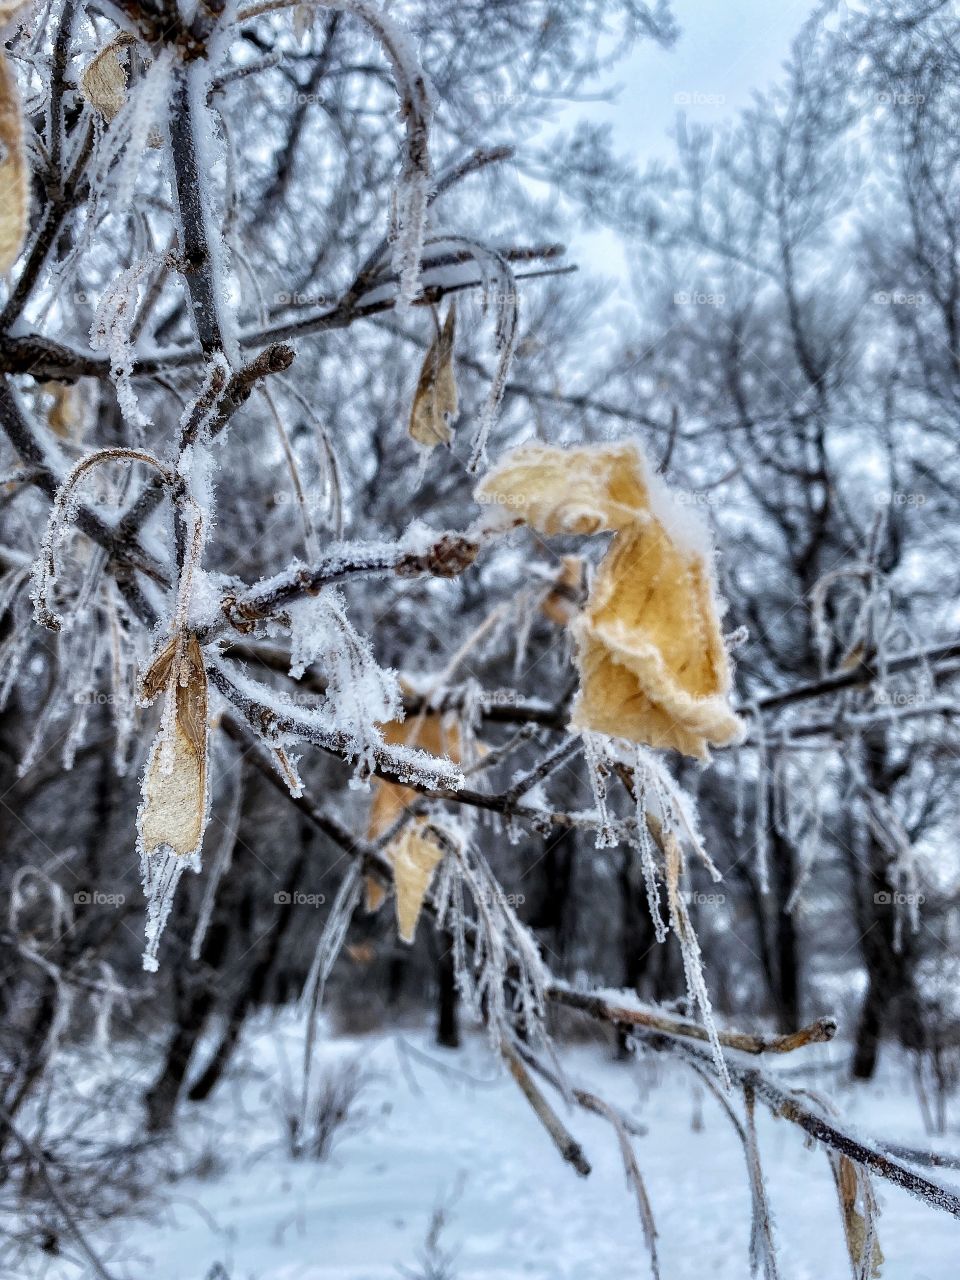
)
(448, 1019)
(196, 1000)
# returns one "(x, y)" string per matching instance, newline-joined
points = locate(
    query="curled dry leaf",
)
(435, 399)
(415, 858)
(104, 82)
(175, 782)
(653, 664)
(14, 177)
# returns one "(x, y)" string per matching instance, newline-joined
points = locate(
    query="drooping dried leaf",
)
(14, 175)
(65, 416)
(435, 400)
(854, 1223)
(415, 858)
(374, 894)
(304, 16)
(562, 602)
(175, 784)
(104, 82)
(426, 731)
(653, 664)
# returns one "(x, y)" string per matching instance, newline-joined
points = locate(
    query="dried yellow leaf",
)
(580, 490)
(65, 416)
(426, 731)
(104, 82)
(415, 858)
(653, 664)
(854, 1224)
(175, 783)
(435, 400)
(14, 177)
(374, 894)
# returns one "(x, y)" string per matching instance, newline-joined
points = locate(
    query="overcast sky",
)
(726, 50)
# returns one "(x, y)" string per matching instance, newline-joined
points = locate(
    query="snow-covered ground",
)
(457, 1136)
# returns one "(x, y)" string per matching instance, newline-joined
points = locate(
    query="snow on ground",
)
(458, 1136)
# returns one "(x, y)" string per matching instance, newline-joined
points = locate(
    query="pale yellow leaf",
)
(175, 785)
(104, 82)
(435, 400)
(374, 894)
(415, 858)
(14, 174)
(653, 664)
(429, 733)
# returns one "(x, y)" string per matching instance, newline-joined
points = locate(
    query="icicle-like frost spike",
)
(593, 754)
(435, 400)
(650, 650)
(682, 926)
(412, 192)
(111, 328)
(160, 874)
(14, 172)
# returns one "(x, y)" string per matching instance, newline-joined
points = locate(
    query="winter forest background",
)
(426, 859)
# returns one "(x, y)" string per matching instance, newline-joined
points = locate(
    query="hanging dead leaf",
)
(426, 731)
(847, 1177)
(435, 400)
(653, 664)
(374, 894)
(65, 415)
(104, 82)
(415, 858)
(303, 20)
(562, 602)
(14, 175)
(175, 782)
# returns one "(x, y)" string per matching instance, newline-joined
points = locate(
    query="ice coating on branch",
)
(122, 146)
(211, 156)
(412, 192)
(110, 332)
